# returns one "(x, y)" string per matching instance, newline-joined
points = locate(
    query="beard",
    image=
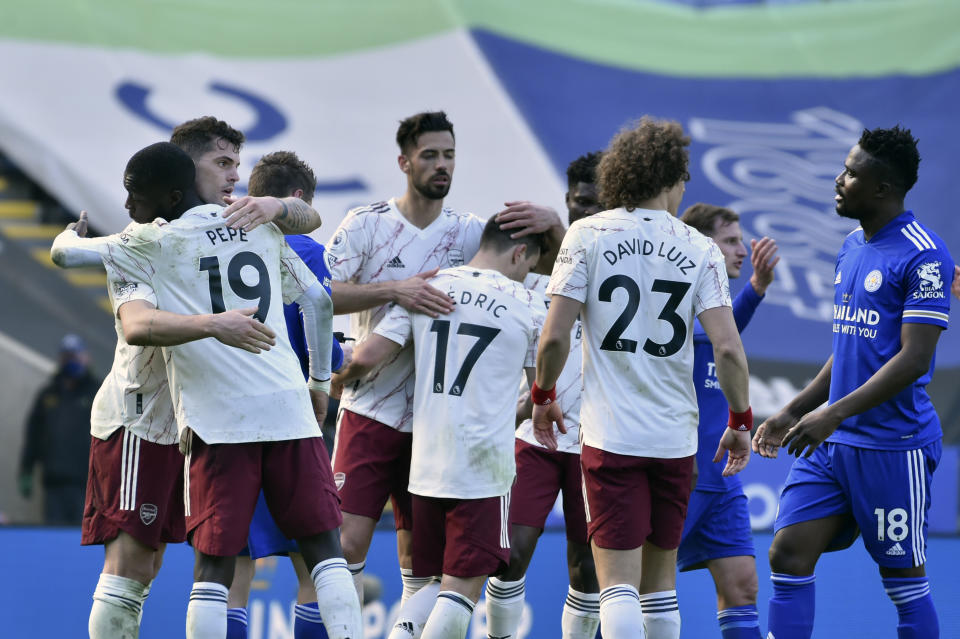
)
(846, 212)
(433, 192)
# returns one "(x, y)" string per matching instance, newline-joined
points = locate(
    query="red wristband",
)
(542, 397)
(741, 421)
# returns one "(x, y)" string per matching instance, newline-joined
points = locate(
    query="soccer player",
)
(866, 460)
(542, 474)
(716, 533)
(384, 254)
(243, 424)
(282, 174)
(637, 277)
(477, 352)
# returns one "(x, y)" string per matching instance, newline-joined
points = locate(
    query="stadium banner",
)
(842, 610)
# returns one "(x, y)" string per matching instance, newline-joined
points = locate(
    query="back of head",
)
(280, 174)
(160, 167)
(199, 136)
(895, 151)
(499, 241)
(641, 162)
(583, 169)
(413, 127)
(704, 217)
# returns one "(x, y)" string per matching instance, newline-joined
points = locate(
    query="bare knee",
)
(789, 558)
(583, 572)
(355, 537)
(126, 557)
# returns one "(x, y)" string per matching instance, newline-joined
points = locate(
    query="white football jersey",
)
(377, 244)
(643, 276)
(195, 265)
(569, 384)
(134, 394)
(469, 366)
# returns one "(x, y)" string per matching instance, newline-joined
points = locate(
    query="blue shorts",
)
(717, 526)
(265, 538)
(886, 491)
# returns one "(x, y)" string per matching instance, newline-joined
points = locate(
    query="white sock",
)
(581, 615)
(620, 613)
(450, 617)
(143, 600)
(661, 615)
(504, 607)
(207, 611)
(336, 599)
(356, 571)
(414, 613)
(411, 584)
(115, 613)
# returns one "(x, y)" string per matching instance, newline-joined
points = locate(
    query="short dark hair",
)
(896, 150)
(413, 127)
(196, 137)
(583, 169)
(703, 217)
(160, 166)
(642, 161)
(280, 174)
(499, 240)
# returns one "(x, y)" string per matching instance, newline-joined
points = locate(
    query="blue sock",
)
(791, 606)
(237, 623)
(918, 617)
(740, 622)
(307, 623)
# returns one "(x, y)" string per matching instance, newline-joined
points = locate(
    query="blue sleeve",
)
(745, 305)
(312, 254)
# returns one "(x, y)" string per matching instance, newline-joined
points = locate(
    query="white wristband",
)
(317, 385)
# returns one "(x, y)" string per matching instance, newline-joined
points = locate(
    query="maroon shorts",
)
(631, 500)
(460, 537)
(225, 480)
(136, 486)
(371, 463)
(541, 474)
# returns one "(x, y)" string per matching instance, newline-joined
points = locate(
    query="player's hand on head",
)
(955, 288)
(319, 400)
(811, 431)
(241, 330)
(737, 446)
(80, 226)
(249, 212)
(416, 295)
(526, 218)
(544, 417)
(763, 257)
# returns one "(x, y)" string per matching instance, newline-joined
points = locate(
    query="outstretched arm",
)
(414, 294)
(292, 215)
(551, 358)
(370, 354)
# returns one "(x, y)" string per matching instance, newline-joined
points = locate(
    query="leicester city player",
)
(879, 432)
(716, 532)
(282, 174)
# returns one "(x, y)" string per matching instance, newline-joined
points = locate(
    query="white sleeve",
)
(346, 252)
(569, 277)
(69, 250)
(295, 276)
(396, 325)
(712, 286)
(317, 310)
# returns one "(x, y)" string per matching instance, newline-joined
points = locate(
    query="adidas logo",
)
(395, 263)
(896, 550)
(406, 626)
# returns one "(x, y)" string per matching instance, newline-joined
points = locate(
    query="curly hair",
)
(413, 127)
(280, 174)
(583, 169)
(896, 150)
(641, 162)
(703, 217)
(196, 137)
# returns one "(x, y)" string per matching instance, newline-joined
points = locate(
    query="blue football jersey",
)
(312, 254)
(711, 402)
(901, 275)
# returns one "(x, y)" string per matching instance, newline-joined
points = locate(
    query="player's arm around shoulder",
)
(290, 214)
